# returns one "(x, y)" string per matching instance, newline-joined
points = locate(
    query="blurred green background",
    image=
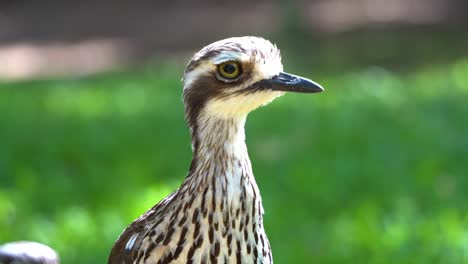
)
(374, 170)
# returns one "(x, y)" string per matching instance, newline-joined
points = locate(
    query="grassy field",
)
(374, 170)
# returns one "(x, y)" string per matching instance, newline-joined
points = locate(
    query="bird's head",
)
(231, 77)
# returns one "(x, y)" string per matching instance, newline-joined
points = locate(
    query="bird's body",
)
(216, 215)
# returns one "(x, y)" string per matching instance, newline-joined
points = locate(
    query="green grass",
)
(374, 170)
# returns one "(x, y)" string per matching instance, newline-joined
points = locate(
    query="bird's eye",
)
(229, 70)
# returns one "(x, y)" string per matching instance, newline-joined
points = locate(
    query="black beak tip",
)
(291, 83)
(301, 84)
(313, 87)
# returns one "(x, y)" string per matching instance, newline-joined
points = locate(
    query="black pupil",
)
(229, 68)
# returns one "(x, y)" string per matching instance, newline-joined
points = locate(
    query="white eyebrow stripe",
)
(193, 75)
(229, 56)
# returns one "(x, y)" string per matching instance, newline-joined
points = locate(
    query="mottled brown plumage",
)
(216, 215)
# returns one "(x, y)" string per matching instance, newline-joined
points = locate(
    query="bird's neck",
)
(218, 139)
(221, 160)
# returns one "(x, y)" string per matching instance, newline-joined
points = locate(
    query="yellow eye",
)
(229, 69)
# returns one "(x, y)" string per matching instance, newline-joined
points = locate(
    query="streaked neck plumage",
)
(227, 194)
(221, 159)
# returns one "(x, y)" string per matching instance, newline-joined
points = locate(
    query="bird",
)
(27, 252)
(216, 215)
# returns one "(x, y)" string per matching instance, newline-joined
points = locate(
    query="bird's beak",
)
(290, 83)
